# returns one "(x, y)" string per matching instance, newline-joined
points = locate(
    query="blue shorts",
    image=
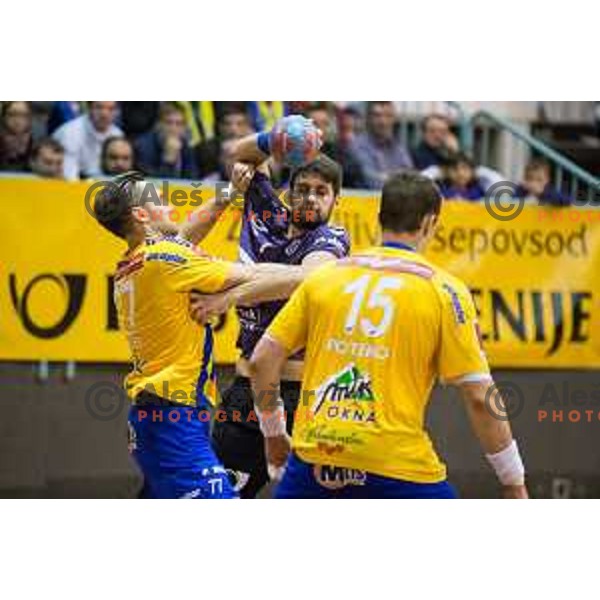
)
(306, 480)
(171, 445)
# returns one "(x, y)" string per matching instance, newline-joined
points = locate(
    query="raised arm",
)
(248, 150)
(203, 219)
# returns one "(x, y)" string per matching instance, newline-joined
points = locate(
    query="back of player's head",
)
(407, 198)
(325, 168)
(114, 202)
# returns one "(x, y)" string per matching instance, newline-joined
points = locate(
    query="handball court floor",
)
(52, 447)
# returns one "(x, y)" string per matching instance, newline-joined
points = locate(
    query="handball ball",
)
(295, 141)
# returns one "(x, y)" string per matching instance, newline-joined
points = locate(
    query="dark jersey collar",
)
(399, 246)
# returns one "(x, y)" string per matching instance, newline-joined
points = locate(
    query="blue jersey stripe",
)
(201, 399)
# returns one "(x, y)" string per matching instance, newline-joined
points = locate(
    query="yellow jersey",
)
(379, 329)
(172, 355)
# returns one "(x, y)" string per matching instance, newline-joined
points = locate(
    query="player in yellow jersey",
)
(378, 330)
(172, 383)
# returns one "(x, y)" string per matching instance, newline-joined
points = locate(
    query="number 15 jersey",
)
(379, 329)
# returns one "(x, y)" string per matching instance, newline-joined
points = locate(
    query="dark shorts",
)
(306, 480)
(237, 439)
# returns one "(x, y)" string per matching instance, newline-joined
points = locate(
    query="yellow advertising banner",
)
(535, 279)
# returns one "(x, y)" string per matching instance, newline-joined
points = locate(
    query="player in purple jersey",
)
(298, 234)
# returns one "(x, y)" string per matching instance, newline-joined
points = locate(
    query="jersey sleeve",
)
(262, 203)
(335, 241)
(461, 357)
(185, 269)
(290, 326)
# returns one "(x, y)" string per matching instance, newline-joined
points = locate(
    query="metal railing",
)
(518, 145)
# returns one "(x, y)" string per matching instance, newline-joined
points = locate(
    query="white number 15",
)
(377, 299)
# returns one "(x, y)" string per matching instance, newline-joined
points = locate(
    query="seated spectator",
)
(200, 118)
(378, 151)
(82, 139)
(138, 118)
(15, 136)
(47, 158)
(436, 143)
(461, 181)
(349, 122)
(225, 163)
(63, 111)
(322, 117)
(117, 156)
(265, 113)
(166, 151)
(234, 124)
(536, 186)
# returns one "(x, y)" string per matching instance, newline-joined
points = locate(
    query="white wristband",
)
(272, 422)
(508, 465)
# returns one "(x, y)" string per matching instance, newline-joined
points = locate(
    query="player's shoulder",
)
(452, 292)
(331, 237)
(172, 249)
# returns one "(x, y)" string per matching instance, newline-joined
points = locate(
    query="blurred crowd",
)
(193, 140)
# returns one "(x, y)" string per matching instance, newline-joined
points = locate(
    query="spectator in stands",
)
(234, 124)
(15, 136)
(117, 156)
(82, 139)
(348, 125)
(63, 111)
(322, 116)
(378, 151)
(138, 118)
(47, 158)
(166, 151)
(200, 118)
(536, 186)
(437, 142)
(461, 181)
(265, 113)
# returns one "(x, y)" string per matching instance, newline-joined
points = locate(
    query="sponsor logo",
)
(335, 478)
(358, 349)
(346, 396)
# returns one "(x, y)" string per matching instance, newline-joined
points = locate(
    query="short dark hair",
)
(434, 117)
(114, 201)
(407, 198)
(106, 144)
(373, 103)
(168, 108)
(538, 164)
(48, 142)
(454, 159)
(323, 166)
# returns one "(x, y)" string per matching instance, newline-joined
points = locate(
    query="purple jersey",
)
(264, 239)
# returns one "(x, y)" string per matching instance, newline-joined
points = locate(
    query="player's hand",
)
(241, 176)
(277, 449)
(204, 307)
(515, 492)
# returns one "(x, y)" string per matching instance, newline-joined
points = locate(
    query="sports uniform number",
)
(376, 299)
